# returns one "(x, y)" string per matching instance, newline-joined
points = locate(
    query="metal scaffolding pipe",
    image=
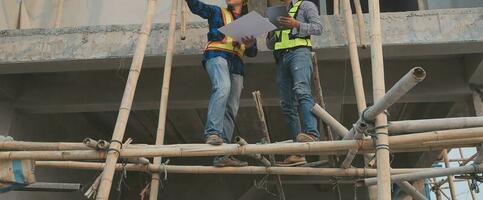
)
(411, 190)
(428, 174)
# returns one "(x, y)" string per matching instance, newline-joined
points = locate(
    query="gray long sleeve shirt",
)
(310, 24)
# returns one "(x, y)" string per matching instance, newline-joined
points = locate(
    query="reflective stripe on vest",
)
(285, 38)
(227, 44)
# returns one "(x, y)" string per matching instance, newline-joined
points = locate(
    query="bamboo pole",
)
(411, 190)
(384, 101)
(143, 146)
(436, 190)
(382, 153)
(316, 148)
(361, 23)
(60, 13)
(354, 57)
(319, 96)
(360, 132)
(325, 116)
(412, 126)
(257, 97)
(452, 187)
(254, 170)
(126, 103)
(422, 5)
(471, 158)
(403, 86)
(403, 143)
(473, 194)
(184, 19)
(428, 174)
(163, 107)
(336, 7)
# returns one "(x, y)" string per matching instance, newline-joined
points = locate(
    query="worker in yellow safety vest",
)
(223, 62)
(292, 47)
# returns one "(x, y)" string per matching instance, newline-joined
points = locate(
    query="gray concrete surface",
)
(459, 28)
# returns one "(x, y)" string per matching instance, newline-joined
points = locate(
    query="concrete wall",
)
(442, 4)
(42, 13)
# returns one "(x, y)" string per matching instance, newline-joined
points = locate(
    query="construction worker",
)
(223, 62)
(292, 51)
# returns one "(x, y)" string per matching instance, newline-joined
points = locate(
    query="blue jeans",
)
(226, 89)
(294, 78)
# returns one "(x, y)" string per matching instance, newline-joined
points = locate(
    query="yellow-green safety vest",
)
(227, 44)
(285, 39)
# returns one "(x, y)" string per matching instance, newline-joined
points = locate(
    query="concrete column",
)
(478, 103)
(7, 118)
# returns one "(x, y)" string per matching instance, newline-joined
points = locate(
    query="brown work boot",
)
(293, 160)
(304, 137)
(214, 139)
(228, 161)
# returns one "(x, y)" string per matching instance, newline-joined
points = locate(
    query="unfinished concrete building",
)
(63, 81)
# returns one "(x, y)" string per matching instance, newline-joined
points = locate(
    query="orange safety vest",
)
(227, 44)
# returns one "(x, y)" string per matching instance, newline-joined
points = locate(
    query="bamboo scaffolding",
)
(403, 143)
(382, 153)
(126, 103)
(322, 114)
(319, 96)
(403, 86)
(452, 187)
(411, 190)
(60, 13)
(469, 159)
(339, 148)
(257, 97)
(180, 169)
(412, 126)
(428, 174)
(384, 101)
(360, 132)
(436, 190)
(422, 5)
(361, 24)
(184, 19)
(163, 107)
(258, 157)
(354, 57)
(473, 194)
(336, 7)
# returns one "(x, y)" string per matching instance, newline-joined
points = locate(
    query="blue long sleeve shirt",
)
(214, 16)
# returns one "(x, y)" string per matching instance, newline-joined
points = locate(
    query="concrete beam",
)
(419, 33)
(102, 90)
(474, 69)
